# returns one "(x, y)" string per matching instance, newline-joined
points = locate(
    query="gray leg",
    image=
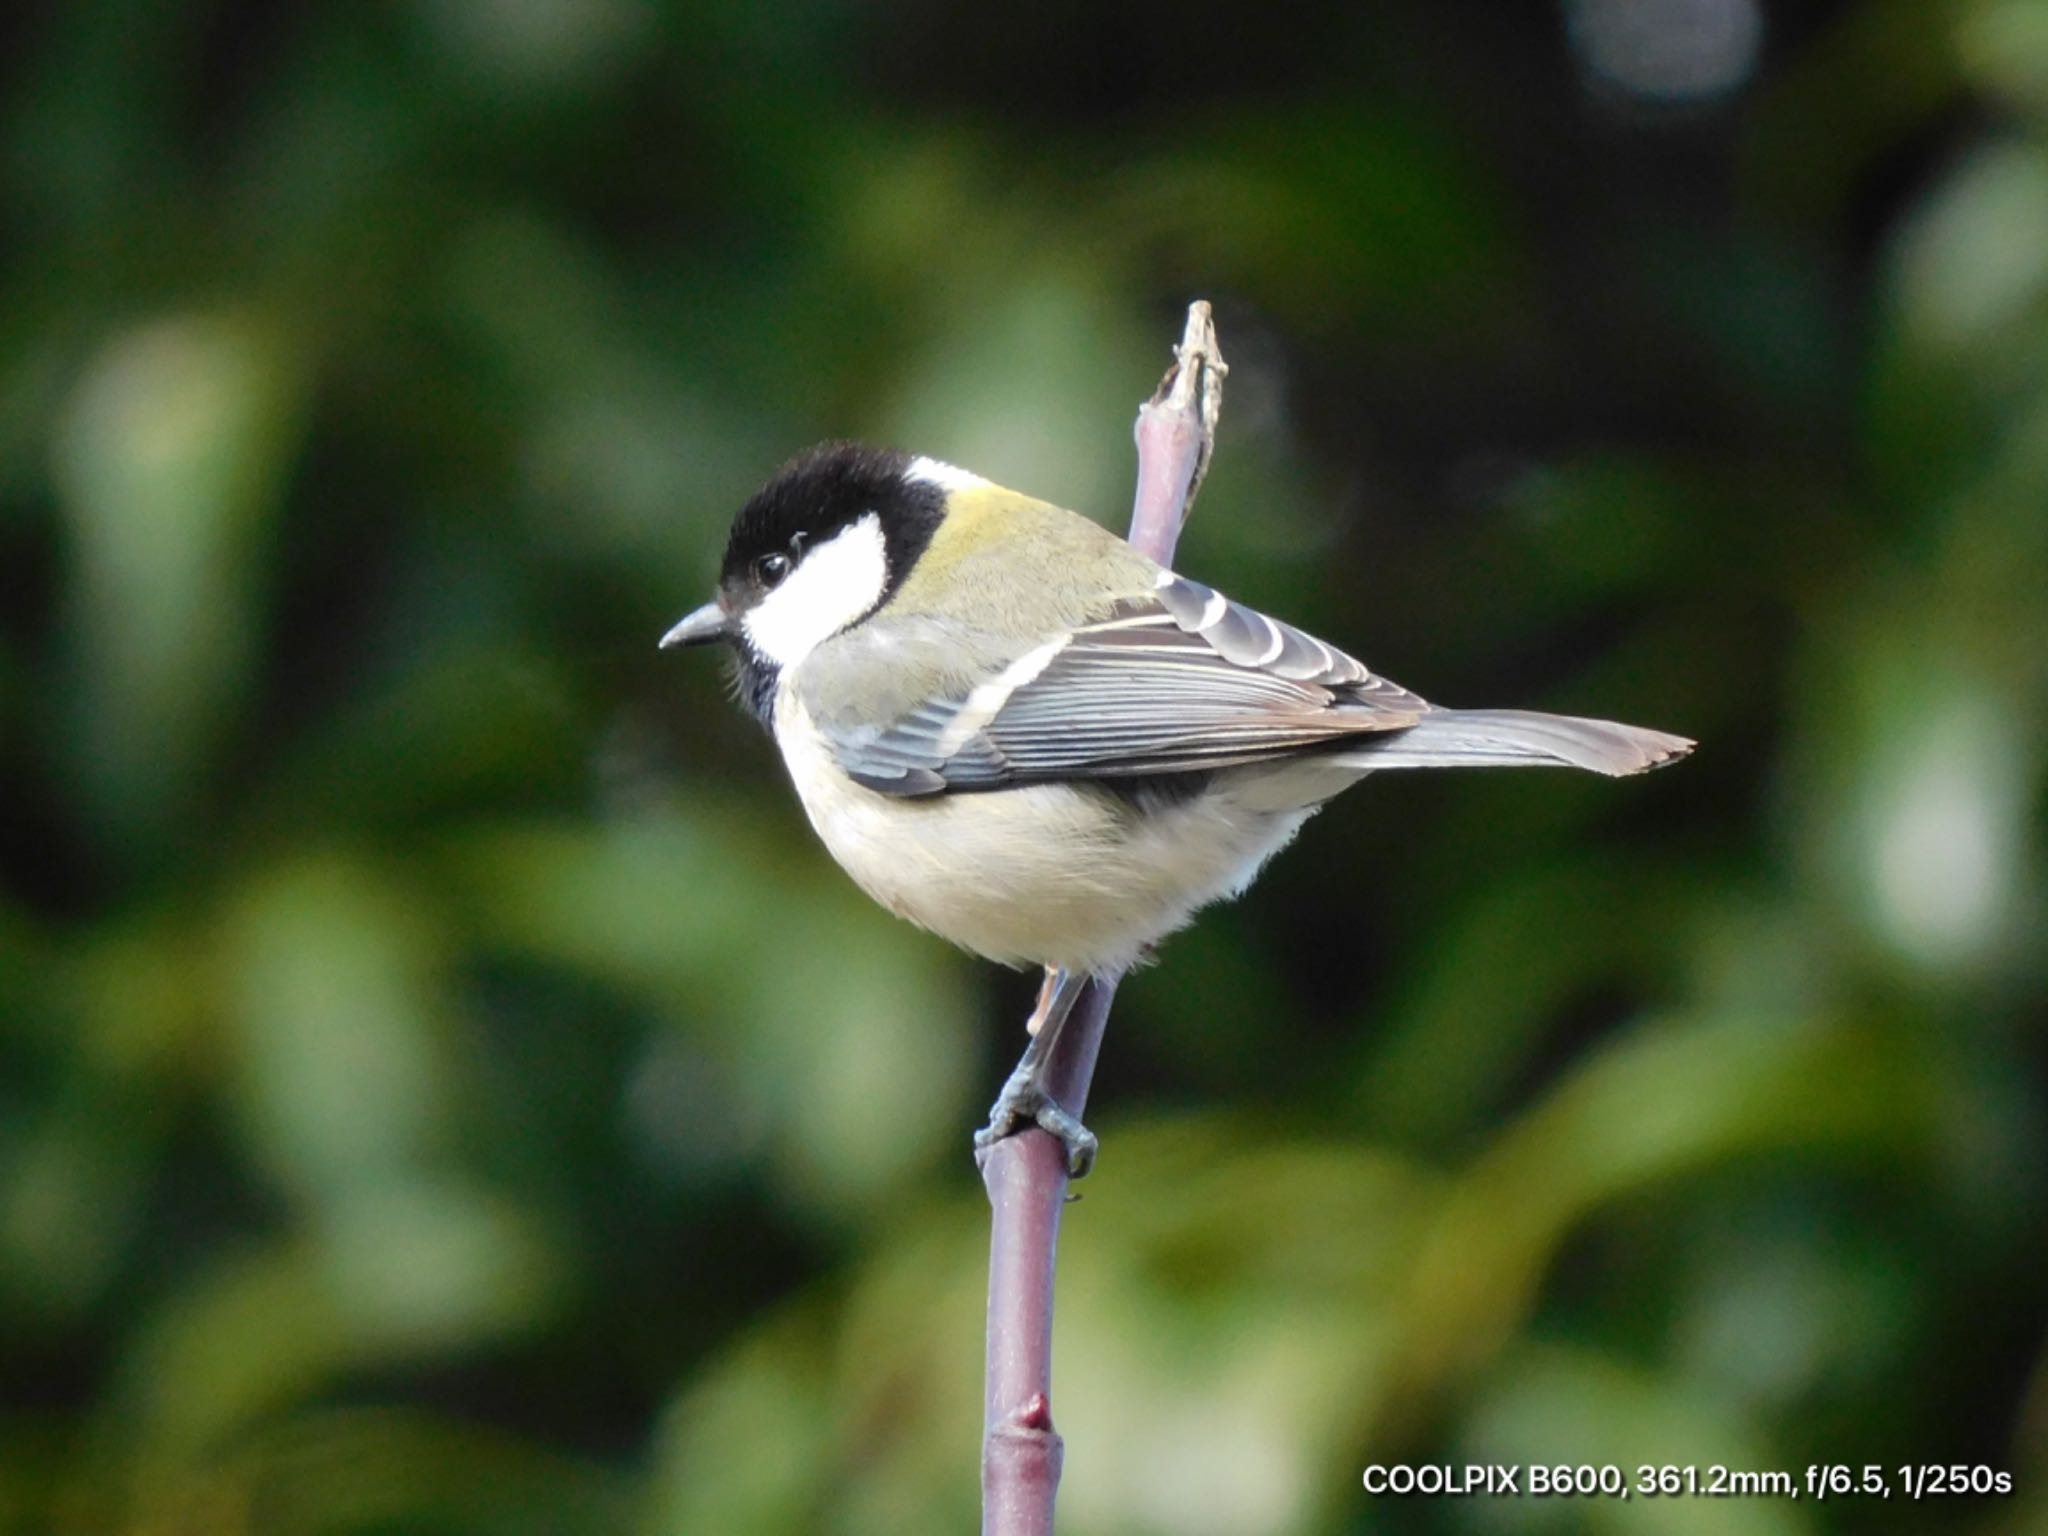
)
(1024, 1101)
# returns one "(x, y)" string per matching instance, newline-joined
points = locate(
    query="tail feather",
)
(1501, 738)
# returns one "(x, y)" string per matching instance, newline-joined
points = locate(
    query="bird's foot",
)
(1022, 1104)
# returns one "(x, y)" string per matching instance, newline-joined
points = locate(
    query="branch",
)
(1026, 1174)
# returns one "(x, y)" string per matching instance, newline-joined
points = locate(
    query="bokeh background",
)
(443, 1088)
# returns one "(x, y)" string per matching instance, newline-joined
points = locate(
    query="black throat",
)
(754, 680)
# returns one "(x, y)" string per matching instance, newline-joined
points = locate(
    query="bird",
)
(1015, 730)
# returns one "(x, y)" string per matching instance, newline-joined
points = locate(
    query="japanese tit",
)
(1015, 730)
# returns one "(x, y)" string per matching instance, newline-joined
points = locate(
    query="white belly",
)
(1046, 874)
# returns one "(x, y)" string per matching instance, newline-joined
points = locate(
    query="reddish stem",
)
(1026, 1174)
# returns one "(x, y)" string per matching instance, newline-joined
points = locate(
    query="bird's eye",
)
(769, 569)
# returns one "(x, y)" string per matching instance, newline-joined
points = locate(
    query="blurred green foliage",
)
(444, 1089)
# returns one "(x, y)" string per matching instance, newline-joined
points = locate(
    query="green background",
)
(443, 1086)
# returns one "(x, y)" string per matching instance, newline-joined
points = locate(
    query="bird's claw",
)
(1025, 1105)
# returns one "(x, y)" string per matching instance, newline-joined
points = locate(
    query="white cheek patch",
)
(834, 584)
(947, 477)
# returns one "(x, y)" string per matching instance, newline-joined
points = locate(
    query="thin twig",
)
(1026, 1174)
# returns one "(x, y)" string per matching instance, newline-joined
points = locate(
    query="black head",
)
(818, 548)
(815, 497)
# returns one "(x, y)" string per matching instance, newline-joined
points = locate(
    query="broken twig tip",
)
(1178, 427)
(1194, 384)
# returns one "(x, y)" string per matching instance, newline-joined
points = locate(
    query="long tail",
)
(1506, 738)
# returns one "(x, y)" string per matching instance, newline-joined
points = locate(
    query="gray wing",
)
(1179, 682)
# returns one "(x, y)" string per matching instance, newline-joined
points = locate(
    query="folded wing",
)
(1181, 681)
